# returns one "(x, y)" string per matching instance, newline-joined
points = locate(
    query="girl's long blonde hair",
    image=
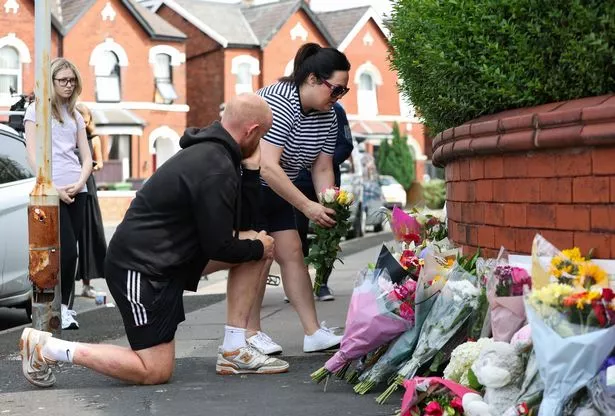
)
(85, 112)
(57, 65)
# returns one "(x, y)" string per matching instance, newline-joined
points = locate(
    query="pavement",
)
(195, 388)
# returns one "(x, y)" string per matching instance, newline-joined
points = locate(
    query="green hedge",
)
(434, 193)
(460, 59)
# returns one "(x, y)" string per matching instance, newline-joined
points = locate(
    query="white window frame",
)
(177, 57)
(97, 76)
(24, 58)
(164, 84)
(254, 65)
(108, 45)
(6, 96)
(367, 101)
(290, 66)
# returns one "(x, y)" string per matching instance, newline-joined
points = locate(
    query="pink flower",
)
(456, 404)
(406, 312)
(401, 292)
(520, 276)
(410, 285)
(433, 409)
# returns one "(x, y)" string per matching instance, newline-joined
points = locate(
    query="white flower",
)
(329, 195)
(350, 198)
(462, 359)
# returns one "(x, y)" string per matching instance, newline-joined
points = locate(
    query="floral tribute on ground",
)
(505, 336)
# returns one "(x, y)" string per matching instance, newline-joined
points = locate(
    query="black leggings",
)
(72, 218)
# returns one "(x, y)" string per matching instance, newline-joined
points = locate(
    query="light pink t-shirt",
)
(65, 168)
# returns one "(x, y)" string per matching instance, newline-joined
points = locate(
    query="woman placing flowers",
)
(303, 136)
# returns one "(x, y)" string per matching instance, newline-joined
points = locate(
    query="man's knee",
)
(157, 376)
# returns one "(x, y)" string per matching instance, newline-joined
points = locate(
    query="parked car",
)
(16, 183)
(360, 176)
(394, 193)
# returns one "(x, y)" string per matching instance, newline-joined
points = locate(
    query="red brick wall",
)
(22, 25)
(566, 195)
(204, 71)
(358, 54)
(282, 48)
(137, 78)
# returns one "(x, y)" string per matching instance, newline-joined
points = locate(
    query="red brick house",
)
(233, 48)
(132, 63)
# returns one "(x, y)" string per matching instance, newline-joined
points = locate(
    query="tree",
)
(396, 159)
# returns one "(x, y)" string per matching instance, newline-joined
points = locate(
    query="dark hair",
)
(311, 58)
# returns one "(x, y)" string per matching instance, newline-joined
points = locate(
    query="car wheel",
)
(378, 227)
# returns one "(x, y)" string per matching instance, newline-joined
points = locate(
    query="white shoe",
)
(263, 344)
(247, 360)
(321, 340)
(33, 365)
(89, 292)
(68, 320)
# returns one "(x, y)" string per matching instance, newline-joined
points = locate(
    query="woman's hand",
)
(319, 214)
(74, 189)
(64, 196)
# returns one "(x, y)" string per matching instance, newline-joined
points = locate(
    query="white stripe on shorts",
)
(133, 292)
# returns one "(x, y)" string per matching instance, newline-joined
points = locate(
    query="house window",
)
(366, 96)
(120, 151)
(244, 79)
(244, 67)
(108, 82)
(10, 71)
(163, 74)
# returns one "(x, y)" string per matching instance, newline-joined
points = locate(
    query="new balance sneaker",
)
(33, 365)
(247, 360)
(263, 344)
(88, 291)
(325, 294)
(68, 320)
(321, 340)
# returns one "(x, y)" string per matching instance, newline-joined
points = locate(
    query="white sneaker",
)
(321, 340)
(33, 365)
(88, 292)
(247, 360)
(68, 320)
(263, 344)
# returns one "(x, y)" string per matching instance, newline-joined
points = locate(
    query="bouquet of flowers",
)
(326, 245)
(573, 333)
(459, 297)
(429, 285)
(462, 358)
(433, 396)
(568, 266)
(378, 312)
(505, 290)
(433, 228)
(406, 229)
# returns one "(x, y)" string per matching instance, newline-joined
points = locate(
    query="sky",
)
(381, 6)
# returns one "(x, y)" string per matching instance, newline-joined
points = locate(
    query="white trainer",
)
(321, 340)
(247, 360)
(264, 344)
(68, 320)
(89, 292)
(33, 365)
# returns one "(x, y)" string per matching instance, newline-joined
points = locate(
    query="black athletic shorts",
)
(151, 307)
(276, 213)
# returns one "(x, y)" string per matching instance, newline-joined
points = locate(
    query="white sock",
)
(234, 338)
(59, 350)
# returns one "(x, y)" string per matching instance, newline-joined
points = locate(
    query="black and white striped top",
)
(303, 136)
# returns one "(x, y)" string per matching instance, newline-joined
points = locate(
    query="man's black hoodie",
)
(186, 212)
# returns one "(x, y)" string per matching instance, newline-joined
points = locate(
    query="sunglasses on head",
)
(337, 91)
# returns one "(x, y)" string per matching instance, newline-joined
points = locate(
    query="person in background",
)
(343, 149)
(69, 175)
(92, 243)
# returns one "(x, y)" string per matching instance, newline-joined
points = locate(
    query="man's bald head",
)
(247, 117)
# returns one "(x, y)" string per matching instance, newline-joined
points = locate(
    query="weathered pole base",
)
(44, 266)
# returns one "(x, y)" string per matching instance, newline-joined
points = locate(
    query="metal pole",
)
(43, 211)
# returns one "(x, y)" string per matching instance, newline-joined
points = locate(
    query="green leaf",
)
(474, 383)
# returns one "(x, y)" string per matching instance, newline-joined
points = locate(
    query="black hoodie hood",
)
(213, 133)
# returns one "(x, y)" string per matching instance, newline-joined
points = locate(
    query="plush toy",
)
(500, 369)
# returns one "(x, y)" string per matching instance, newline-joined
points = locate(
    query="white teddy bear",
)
(500, 369)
